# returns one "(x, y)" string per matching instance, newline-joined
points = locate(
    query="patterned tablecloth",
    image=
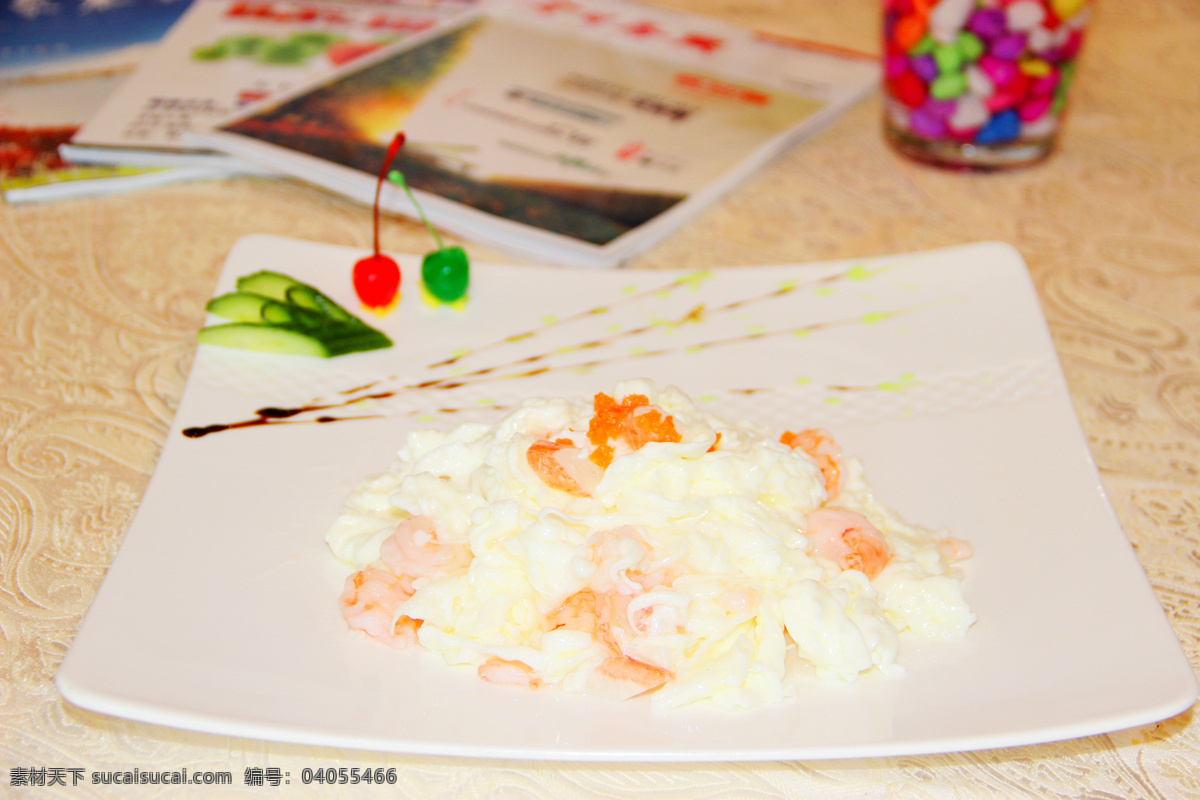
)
(100, 300)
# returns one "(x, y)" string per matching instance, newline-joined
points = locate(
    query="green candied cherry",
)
(445, 272)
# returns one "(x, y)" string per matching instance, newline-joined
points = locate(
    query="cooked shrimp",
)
(509, 673)
(953, 549)
(820, 446)
(613, 628)
(369, 602)
(658, 612)
(577, 613)
(622, 677)
(847, 539)
(742, 600)
(560, 466)
(404, 632)
(605, 617)
(622, 560)
(413, 551)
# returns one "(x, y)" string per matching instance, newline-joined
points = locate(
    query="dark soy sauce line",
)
(259, 421)
(697, 314)
(684, 281)
(482, 376)
(267, 415)
(690, 278)
(485, 374)
(272, 415)
(283, 416)
(459, 409)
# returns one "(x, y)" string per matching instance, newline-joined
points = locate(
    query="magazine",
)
(567, 131)
(58, 61)
(225, 54)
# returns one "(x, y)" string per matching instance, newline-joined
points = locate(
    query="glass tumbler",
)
(979, 84)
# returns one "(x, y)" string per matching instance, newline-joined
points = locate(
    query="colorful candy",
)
(983, 72)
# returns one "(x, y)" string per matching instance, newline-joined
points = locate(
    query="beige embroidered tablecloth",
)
(100, 300)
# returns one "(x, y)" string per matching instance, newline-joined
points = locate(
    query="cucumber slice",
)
(263, 338)
(247, 307)
(238, 306)
(297, 317)
(327, 342)
(269, 284)
(356, 340)
(279, 313)
(273, 313)
(277, 286)
(306, 296)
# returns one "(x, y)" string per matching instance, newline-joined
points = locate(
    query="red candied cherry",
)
(376, 277)
(377, 282)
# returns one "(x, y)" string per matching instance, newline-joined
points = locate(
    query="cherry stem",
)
(393, 148)
(398, 177)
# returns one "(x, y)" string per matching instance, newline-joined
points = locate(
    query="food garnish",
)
(445, 272)
(376, 277)
(273, 313)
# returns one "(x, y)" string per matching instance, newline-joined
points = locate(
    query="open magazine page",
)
(58, 62)
(226, 54)
(574, 132)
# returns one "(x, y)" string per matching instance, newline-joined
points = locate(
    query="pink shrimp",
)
(560, 466)
(742, 600)
(413, 551)
(847, 539)
(404, 632)
(652, 613)
(953, 549)
(606, 618)
(577, 613)
(622, 677)
(621, 557)
(509, 673)
(369, 602)
(820, 446)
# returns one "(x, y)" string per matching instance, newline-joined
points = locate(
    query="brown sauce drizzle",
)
(697, 314)
(272, 415)
(276, 416)
(685, 280)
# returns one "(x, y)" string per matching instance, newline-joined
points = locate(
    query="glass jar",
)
(979, 84)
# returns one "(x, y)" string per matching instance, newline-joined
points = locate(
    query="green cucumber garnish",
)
(273, 313)
(263, 338)
(307, 297)
(274, 285)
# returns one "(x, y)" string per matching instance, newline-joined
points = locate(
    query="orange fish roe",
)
(626, 420)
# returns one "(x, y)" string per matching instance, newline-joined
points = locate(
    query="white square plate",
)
(220, 612)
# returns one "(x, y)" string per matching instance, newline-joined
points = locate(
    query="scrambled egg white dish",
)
(638, 543)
